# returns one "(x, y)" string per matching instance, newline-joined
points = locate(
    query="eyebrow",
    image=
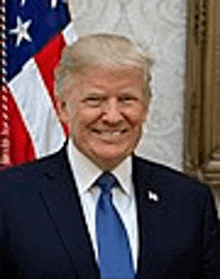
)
(103, 87)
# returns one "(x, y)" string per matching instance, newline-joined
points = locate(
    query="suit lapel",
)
(149, 206)
(61, 200)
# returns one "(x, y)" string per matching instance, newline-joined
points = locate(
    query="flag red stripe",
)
(21, 146)
(47, 59)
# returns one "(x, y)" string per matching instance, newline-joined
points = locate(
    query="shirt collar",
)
(86, 172)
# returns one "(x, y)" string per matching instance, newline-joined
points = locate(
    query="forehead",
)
(124, 76)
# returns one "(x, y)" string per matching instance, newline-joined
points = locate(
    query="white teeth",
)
(111, 134)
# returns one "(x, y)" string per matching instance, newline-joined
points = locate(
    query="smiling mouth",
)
(112, 133)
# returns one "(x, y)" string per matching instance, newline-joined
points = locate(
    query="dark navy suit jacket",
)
(43, 232)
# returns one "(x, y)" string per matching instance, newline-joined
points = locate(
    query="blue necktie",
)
(115, 260)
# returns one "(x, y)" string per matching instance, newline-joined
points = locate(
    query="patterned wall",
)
(160, 27)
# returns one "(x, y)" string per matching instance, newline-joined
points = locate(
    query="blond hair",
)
(101, 50)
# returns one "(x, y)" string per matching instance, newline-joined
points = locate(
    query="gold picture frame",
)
(202, 102)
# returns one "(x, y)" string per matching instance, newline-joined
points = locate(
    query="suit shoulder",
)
(25, 177)
(30, 168)
(22, 170)
(171, 179)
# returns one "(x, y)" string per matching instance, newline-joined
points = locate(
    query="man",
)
(94, 209)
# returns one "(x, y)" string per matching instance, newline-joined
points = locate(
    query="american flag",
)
(36, 32)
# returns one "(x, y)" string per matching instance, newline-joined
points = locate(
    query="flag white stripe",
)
(36, 107)
(37, 110)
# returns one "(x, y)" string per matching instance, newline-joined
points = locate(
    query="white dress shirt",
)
(85, 174)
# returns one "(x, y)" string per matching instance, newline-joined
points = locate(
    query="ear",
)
(63, 112)
(148, 112)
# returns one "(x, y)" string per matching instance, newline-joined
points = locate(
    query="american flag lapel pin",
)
(152, 196)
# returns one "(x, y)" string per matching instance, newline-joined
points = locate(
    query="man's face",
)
(107, 113)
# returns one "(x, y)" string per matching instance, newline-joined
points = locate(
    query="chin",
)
(110, 159)
(111, 152)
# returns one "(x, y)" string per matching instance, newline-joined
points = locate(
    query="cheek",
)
(84, 118)
(136, 116)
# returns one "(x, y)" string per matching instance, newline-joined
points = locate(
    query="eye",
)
(127, 99)
(93, 101)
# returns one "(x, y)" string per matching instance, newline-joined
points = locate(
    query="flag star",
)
(21, 31)
(22, 2)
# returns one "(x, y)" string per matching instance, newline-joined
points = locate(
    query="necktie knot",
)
(106, 182)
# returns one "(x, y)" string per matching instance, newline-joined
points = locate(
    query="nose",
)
(112, 113)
